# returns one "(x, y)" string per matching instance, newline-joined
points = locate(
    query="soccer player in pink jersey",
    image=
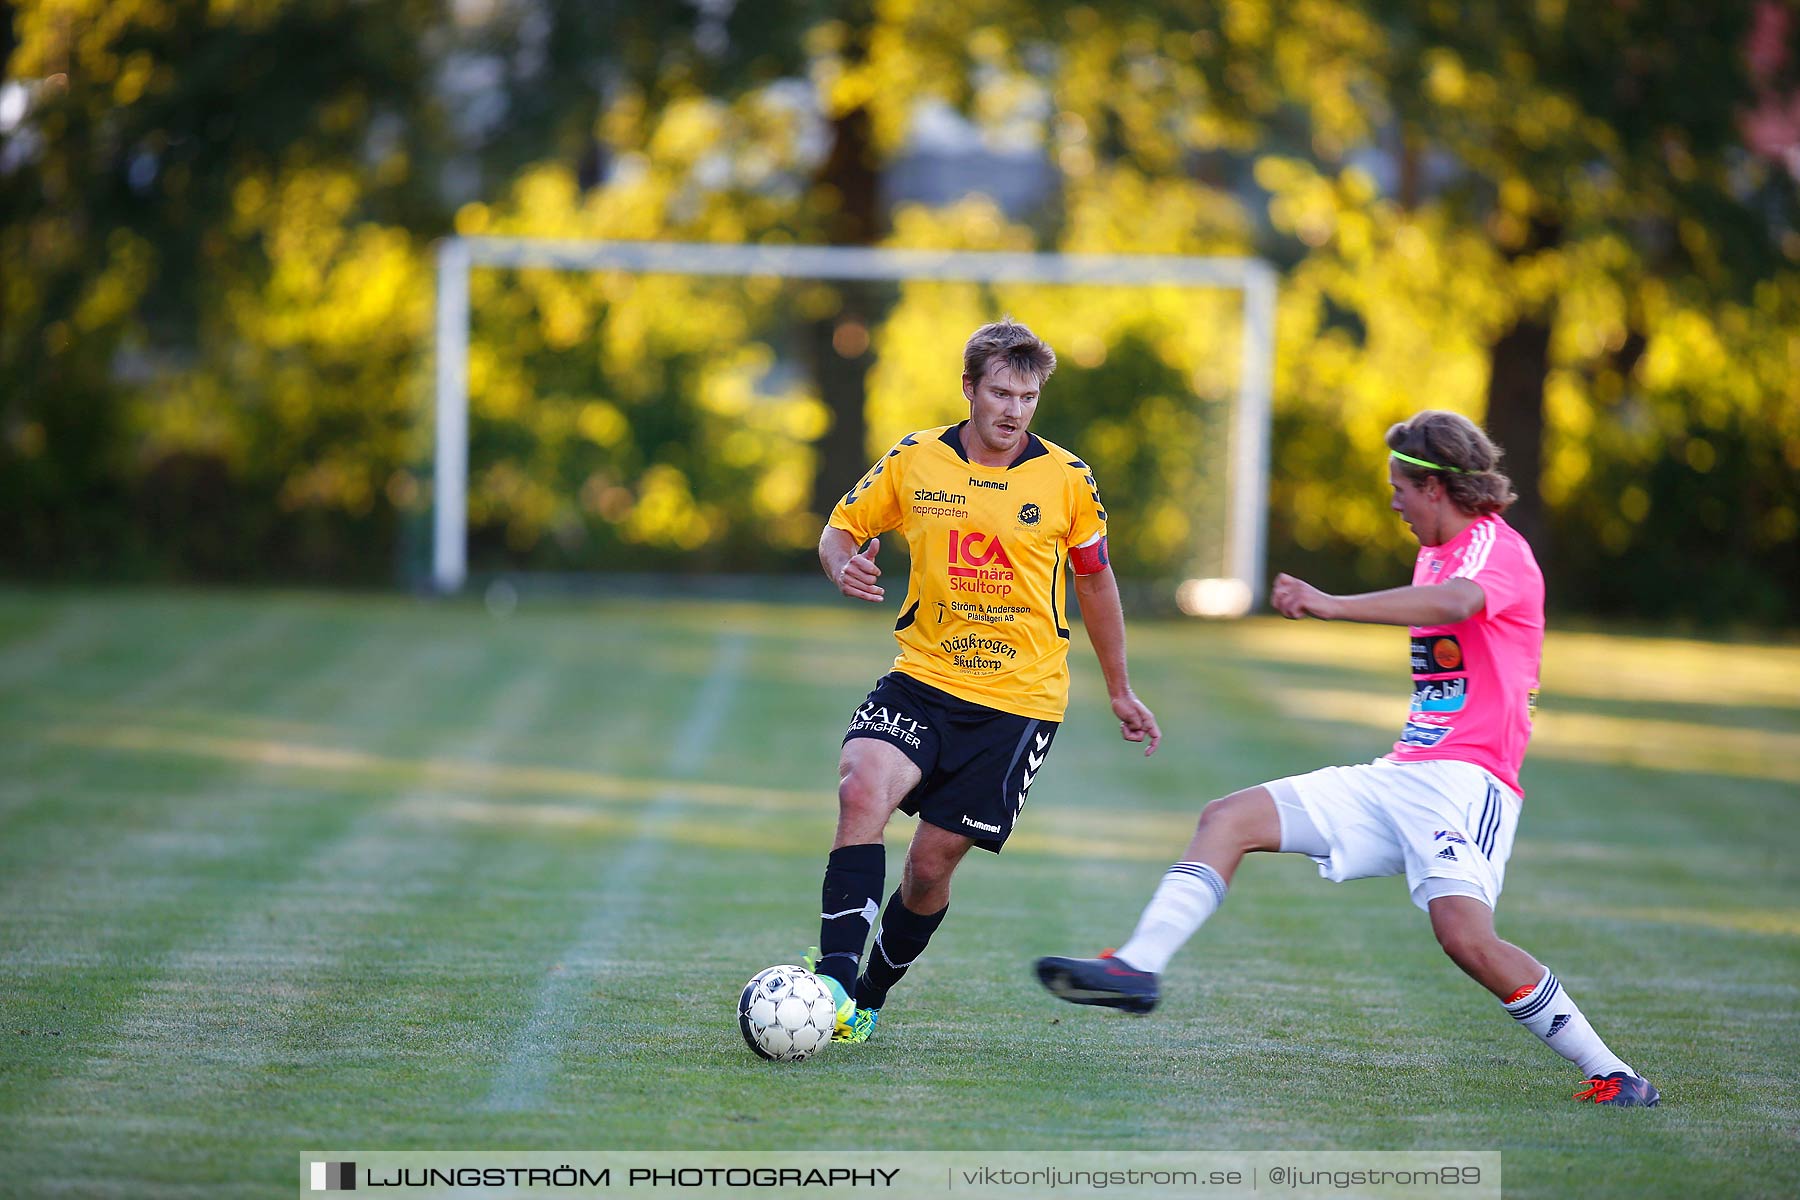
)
(1442, 806)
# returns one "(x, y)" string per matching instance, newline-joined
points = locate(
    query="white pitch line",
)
(521, 1083)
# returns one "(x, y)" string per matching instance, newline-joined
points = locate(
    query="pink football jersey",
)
(1475, 682)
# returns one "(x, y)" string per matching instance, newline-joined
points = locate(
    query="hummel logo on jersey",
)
(1448, 852)
(1557, 1024)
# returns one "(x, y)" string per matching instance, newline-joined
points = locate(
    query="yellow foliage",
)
(1445, 80)
(690, 129)
(973, 223)
(602, 423)
(116, 289)
(652, 403)
(335, 482)
(665, 513)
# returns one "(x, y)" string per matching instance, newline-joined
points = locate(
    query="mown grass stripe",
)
(70, 632)
(216, 1012)
(525, 1077)
(174, 860)
(379, 1008)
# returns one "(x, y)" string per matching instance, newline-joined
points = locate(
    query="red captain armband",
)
(1089, 559)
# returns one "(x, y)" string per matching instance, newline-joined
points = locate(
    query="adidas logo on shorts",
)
(1448, 852)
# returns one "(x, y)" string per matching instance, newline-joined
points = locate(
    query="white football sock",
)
(1548, 1011)
(1189, 893)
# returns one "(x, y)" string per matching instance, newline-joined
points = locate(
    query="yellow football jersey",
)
(985, 616)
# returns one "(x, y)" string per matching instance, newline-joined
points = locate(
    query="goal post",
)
(1231, 594)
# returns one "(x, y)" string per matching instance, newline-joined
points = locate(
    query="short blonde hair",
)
(1022, 349)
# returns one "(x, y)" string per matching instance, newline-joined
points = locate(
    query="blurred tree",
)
(1576, 220)
(1570, 197)
(137, 125)
(1573, 126)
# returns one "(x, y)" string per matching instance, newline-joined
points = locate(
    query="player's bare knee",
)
(927, 896)
(1216, 816)
(860, 794)
(925, 888)
(1229, 817)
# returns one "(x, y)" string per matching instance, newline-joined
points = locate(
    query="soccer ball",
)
(786, 1014)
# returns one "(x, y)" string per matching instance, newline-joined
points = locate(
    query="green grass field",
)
(282, 872)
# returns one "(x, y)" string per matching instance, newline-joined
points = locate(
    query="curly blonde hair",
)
(1467, 460)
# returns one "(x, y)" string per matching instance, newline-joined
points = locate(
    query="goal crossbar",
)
(1254, 278)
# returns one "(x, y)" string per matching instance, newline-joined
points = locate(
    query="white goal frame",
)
(1254, 278)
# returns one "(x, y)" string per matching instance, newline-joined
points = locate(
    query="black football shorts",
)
(976, 764)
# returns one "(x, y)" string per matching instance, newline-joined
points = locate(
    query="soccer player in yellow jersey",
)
(959, 729)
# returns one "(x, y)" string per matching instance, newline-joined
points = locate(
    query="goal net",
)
(1163, 385)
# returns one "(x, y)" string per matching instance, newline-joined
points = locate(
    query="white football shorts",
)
(1448, 825)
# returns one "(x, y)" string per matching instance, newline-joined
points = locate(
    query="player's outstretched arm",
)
(1438, 604)
(1104, 618)
(853, 574)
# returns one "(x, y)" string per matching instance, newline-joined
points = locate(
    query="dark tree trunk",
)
(839, 344)
(1515, 417)
(1411, 169)
(1519, 365)
(839, 351)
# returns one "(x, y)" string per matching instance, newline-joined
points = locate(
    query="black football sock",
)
(898, 944)
(850, 899)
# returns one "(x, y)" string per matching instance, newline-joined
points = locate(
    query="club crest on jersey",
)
(1030, 515)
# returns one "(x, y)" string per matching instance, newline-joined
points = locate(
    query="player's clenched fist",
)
(1295, 598)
